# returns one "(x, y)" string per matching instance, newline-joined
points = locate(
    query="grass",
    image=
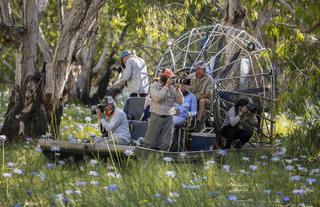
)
(28, 178)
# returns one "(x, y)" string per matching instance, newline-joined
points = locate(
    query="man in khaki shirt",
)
(163, 95)
(202, 87)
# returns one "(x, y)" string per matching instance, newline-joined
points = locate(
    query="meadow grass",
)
(28, 178)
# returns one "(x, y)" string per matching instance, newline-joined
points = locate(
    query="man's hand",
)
(99, 114)
(243, 110)
(169, 82)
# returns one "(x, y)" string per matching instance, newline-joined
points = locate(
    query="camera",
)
(177, 80)
(252, 108)
(94, 109)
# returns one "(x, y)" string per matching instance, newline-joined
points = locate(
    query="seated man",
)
(187, 109)
(239, 123)
(183, 111)
(202, 87)
(115, 123)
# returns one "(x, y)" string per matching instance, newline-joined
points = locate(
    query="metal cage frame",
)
(228, 52)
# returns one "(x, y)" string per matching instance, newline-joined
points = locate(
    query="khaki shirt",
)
(200, 86)
(163, 98)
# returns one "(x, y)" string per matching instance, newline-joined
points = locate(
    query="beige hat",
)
(200, 64)
(107, 100)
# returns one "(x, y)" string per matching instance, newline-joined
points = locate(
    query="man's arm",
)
(127, 73)
(234, 119)
(158, 95)
(208, 89)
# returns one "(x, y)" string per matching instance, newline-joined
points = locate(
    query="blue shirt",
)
(188, 108)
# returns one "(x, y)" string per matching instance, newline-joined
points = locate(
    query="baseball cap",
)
(125, 53)
(168, 73)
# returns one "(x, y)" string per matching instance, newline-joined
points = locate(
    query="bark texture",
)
(36, 103)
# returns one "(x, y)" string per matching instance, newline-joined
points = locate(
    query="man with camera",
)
(114, 121)
(163, 93)
(202, 87)
(187, 109)
(135, 74)
(239, 123)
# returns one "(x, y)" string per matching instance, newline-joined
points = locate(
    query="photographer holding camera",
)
(114, 121)
(202, 87)
(163, 93)
(239, 123)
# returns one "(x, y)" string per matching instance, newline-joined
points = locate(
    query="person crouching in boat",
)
(239, 123)
(114, 121)
(163, 95)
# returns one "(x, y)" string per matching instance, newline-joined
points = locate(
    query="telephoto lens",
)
(177, 80)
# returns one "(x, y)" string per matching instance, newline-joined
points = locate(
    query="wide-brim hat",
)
(125, 53)
(168, 73)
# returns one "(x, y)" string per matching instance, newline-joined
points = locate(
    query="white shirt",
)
(136, 75)
(118, 125)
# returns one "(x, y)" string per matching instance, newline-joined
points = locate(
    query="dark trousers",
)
(232, 133)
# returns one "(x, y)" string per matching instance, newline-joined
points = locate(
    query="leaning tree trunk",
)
(38, 98)
(104, 80)
(83, 83)
(76, 28)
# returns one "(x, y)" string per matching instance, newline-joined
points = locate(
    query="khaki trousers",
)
(159, 133)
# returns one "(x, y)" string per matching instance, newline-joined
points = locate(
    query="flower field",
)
(28, 178)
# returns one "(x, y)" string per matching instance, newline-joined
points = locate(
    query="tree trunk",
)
(83, 83)
(26, 114)
(79, 23)
(104, 81)
(29, 112)
(234, 17)
(234, 13)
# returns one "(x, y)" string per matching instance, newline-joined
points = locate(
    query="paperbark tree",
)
(36, 102)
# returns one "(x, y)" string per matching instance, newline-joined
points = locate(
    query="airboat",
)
(239, 66)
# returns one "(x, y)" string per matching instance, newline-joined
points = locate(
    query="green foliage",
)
(305, 139)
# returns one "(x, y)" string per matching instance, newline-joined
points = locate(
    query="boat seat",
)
(138, 128)
(134, 107)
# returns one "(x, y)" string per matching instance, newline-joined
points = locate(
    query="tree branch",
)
(6, 17)
(287, 5)
(99, 65)
(312, 28)
(44, 47)
(12, 34)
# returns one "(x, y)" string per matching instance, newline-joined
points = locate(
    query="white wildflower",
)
(170, 174)
(17, 171)
(93, 173)
(6, 175)
(167, 159)
(3, 138)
